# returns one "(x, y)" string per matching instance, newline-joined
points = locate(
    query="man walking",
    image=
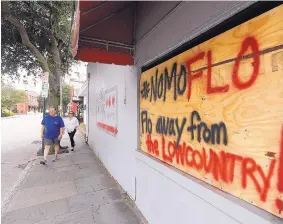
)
(52, 131)
(72, 124)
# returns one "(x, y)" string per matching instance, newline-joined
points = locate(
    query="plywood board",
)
(216, 111)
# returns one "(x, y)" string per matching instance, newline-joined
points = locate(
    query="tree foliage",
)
(36, 37)
(40, 103)
(11, 96)
(66, 96)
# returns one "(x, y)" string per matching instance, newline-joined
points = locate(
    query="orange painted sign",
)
(215, 111)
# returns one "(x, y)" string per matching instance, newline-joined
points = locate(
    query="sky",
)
(34, 84)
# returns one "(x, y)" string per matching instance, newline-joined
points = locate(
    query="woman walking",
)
(72, 124)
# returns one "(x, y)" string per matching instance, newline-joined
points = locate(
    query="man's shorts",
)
(52, 141)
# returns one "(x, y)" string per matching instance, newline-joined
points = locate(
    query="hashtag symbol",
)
(145, 90)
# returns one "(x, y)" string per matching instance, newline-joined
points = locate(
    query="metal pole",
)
(61, 96)
(43, 112)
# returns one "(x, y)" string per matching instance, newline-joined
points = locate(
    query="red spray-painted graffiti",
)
(220, 164)
(185, 121)
(249, 42)
(161, 83)
(279, 202)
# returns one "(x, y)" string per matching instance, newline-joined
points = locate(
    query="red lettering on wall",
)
(215, 89)
(279, 202)
(207, 167)
(180, 153)
(219, 163)
(189, 150)
(232, 158)
(252, 43)
(171, 150)
(198, 160)
(220, 166)
(266, 179)
(152, 146)
(155, 147)
(279, 205)
(166, 158)
(191, 77)
(248, 170)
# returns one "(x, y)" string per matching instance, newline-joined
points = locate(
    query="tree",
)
(11, 96)
(66, 98)
(40, 103)
(36, 37)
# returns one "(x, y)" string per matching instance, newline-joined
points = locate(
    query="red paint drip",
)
(108, 128)
(279, 202)
(279, 205)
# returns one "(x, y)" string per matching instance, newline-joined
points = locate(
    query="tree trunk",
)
(53, 99)
(55, 92)
(53, 96)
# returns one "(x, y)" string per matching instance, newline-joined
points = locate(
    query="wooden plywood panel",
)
(216, 111)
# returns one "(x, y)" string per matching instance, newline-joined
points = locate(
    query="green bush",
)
(6, 113)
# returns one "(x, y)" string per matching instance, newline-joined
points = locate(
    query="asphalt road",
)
(20, 140)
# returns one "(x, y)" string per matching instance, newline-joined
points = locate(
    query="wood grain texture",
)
(253, 116)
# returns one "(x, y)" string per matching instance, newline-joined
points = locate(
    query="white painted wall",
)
(84, 93)
(85, 111)
(163, 194)
(117, 153)
(166, 195)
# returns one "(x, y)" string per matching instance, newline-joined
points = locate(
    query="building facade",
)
(76, 80)
(179, 118)
(31, 105)
(83, 102)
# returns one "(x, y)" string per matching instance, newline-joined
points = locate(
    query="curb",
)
(83, 131)
(12, 192)
(10, 117)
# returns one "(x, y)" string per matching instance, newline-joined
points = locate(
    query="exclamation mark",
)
(279, 202)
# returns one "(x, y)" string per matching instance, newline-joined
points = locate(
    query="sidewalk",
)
(77, 189)
(10, 117)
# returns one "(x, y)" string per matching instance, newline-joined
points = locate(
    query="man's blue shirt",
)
(52, 126)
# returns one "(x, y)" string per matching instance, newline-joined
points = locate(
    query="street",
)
(20, 141)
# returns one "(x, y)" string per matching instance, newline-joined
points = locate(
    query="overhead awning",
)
(104, 32)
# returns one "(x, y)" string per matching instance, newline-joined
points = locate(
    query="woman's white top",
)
(72, 124)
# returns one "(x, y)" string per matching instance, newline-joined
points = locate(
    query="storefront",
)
(191, 128)
(83, 94)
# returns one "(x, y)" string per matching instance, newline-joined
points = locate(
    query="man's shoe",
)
(43, 162)
(63, 147)
(55, 159)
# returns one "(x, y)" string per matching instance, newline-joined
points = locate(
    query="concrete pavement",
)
(18, 136)
(77, 189)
